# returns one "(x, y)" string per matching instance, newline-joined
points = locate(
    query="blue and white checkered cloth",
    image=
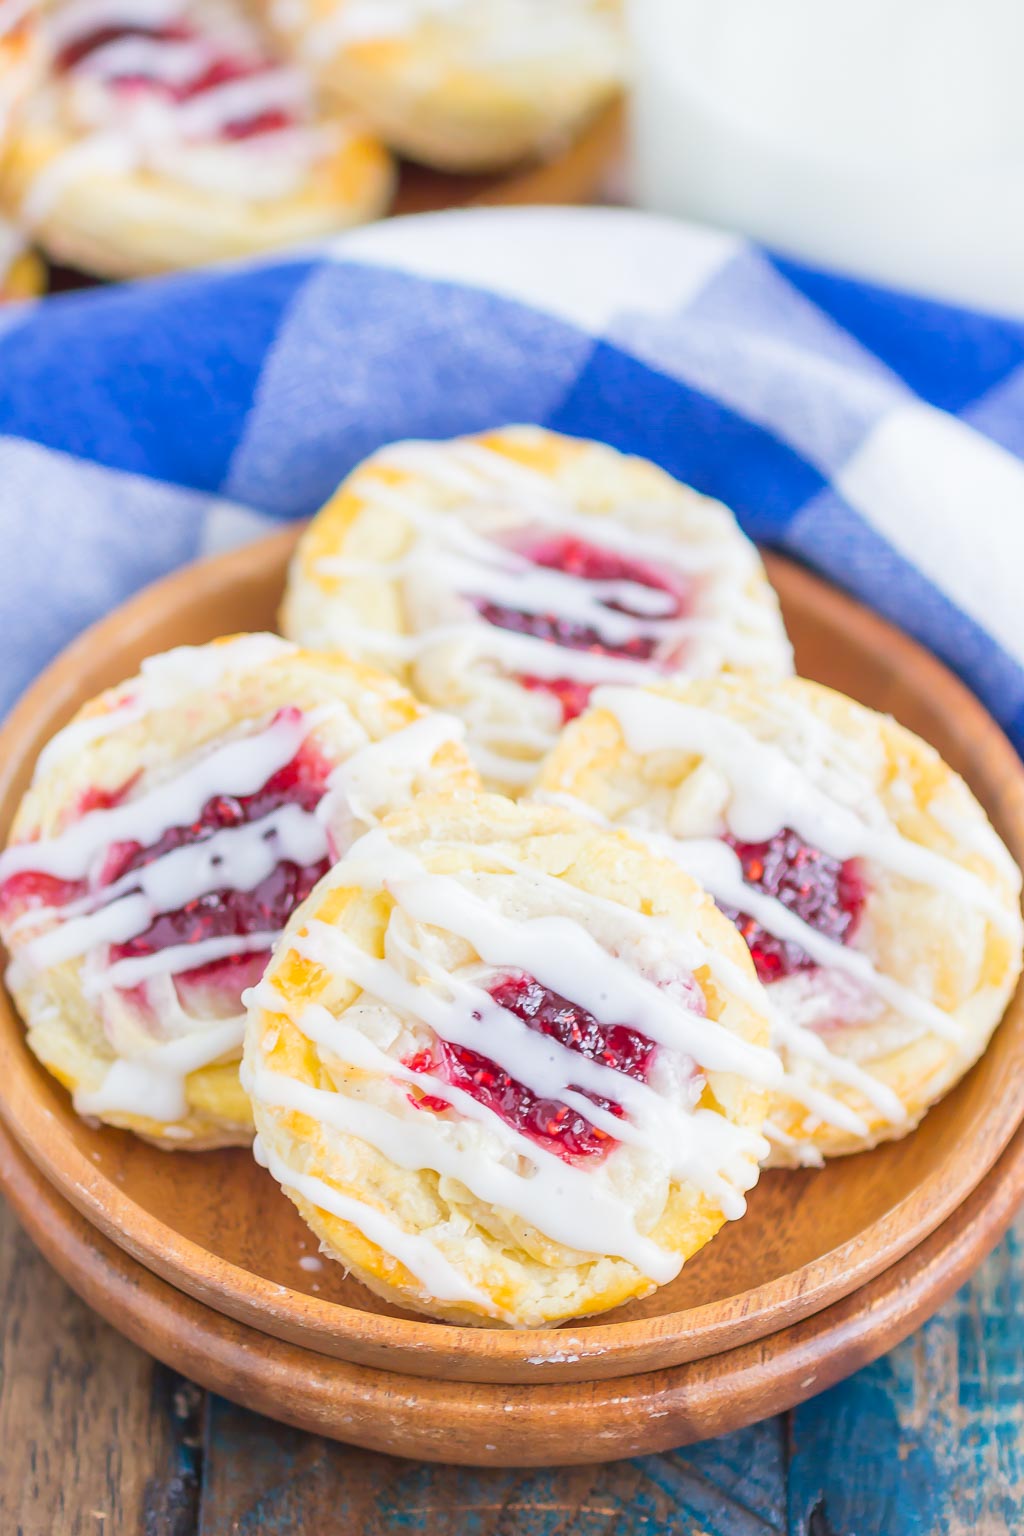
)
(877, 437)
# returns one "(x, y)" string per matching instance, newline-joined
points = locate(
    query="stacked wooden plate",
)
(200, 1260)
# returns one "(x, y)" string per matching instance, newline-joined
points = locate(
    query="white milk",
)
(882, 137)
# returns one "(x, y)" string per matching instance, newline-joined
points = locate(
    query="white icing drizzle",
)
(798, 1042)
(477, 472)
(420, 1256)
(182, 137)
(457, 565)
(80, 734)
(239, 767)
(769, 791)
(174, 959)
(359, 21)
(152, 1083)
(75, 19)
(570, 1204)
(233, 858)
(169, 63)
(150, 1078)
(162, 680)
(517, 30)
(700, 1146)
(805, 1152)
(718, 869)
(583, 1208)
(479, 640)
(369, 781)
(501, 768)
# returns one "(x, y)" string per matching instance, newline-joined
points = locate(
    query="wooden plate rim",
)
(419, 1345)
(493, 1425)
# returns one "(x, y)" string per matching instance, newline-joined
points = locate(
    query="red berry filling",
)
(827, 894)
(218, 914)
(586, 562)
(227, 912)
(219, 71)
(573, 696)
(548, 1122)
(32, 888)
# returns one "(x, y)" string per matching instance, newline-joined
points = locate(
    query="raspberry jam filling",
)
(228, 913)
(223, 913)
(827, 894)
(586, 562)
(548, 1122)
(31, 888)
(216, 72)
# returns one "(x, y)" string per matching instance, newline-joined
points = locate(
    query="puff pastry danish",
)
(461, 84)
(881, 908)
(169, 832)
(500, 1084)
(505, 575)
(163, 134)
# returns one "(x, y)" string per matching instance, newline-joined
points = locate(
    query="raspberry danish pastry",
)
(171, 829)
(880, 907)
(501, 1085)
(505, 575)
(461, 84)
(163, 134)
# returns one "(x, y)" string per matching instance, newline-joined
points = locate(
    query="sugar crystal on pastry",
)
(170, 832)
(506, 576)
(880, 908)
(500, 1084)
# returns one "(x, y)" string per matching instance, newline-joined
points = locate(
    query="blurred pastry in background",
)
(464, 85)
(160, 134)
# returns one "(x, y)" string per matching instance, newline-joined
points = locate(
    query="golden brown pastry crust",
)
(132, 215)
(373, 574)
(161, 722)
(448, 89)
(961, 959)
(523, 862)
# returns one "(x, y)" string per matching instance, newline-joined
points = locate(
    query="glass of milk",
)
(883, 138)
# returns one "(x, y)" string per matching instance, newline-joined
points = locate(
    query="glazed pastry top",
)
(174, 87)
(165, 871)
(840, 845)
(486, 999)
(512, 573)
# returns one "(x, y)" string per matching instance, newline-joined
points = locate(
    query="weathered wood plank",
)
(97, 1440)
(265, 1480)
(928, 1441)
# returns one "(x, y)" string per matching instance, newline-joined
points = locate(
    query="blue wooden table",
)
(97, 1440)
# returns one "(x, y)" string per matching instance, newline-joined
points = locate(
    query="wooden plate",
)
(217, 1227)
(576, 173)
(489, 1425)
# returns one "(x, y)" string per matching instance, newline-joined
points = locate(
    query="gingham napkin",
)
(875, 436)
